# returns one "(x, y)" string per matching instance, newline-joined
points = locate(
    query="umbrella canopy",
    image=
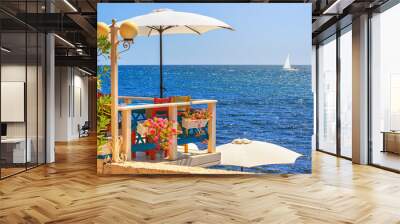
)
(255, 153)
(174, 22)
(166, 21)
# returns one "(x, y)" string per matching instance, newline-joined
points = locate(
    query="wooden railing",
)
(126, 111)
(131, 98)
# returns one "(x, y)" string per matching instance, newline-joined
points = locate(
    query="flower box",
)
(141, 129)
(194, 123)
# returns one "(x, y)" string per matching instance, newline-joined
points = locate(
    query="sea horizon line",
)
(208, 64)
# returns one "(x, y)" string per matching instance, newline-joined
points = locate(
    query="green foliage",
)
(103, 118)
(103, 101)
(103, 46)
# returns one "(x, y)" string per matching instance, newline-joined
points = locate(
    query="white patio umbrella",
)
(256, 153)
(166, 21)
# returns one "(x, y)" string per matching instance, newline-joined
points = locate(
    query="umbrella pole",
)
(161, 65)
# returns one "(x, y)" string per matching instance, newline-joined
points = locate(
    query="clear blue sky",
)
(264, 34)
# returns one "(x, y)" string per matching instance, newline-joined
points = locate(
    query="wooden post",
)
(100, 166)
(126, 134)
(126, 131)
(212, 109)
(173, 116)
(186, 148)
(114, 92)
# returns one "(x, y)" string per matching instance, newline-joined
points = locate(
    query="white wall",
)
(16, 72)
(62, 82)
(9, 73)
(33, 126)
(71, 102)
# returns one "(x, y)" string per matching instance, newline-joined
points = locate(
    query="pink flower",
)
(161, 131)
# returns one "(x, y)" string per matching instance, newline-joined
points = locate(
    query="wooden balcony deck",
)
(193, 162)
(178, 162)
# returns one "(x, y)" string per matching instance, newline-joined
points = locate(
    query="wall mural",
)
(204, 88)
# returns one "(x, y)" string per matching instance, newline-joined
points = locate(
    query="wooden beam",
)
(114, 92)
(173, 116)
(212, 109)
(100, 164)
(151, 105)
(126, 135)
(126, 131)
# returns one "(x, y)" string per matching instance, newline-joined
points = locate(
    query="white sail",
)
(287, 65)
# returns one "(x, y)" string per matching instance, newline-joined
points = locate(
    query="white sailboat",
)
(287, 65)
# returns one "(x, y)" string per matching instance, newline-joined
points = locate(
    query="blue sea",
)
(259, 102)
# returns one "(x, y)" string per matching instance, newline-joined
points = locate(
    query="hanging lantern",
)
(128, 30)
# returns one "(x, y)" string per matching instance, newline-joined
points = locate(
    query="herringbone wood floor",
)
(69, 191)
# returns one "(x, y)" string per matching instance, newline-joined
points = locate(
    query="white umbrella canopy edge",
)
(256, 153)
(175, 22)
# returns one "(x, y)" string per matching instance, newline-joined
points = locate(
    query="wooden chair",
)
(179, 99)
(84, 129)
(162, 111)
